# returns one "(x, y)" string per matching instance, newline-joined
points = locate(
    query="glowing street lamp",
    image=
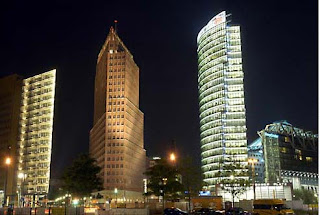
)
(65, 202)
(75, 202)
(172, 157)
(163, 183)
(252, 161)
(22, 177)
(232, 188)
(7, 162)
(116, 192)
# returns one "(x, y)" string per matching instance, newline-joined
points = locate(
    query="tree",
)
(192, 178)
(55, 192)
(233, 178)
(81, 179)
(308, 196)
(163, 180)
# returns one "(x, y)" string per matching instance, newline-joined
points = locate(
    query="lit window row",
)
(214, 58)
(212, 73)
(214, 49)
(212, 34)
(216, 61)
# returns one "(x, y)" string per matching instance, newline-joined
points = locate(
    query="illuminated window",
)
(297, 151)
(283, 150)
(309, 159)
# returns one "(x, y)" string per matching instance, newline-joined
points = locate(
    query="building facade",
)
(35, 135)
(287, 154)
(116, 139)
(26, 125)
(10, 98)
(221, 97)
(255, 151)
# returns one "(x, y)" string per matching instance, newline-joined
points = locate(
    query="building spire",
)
(115, 25)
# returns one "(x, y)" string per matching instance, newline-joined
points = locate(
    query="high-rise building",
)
(221, 97)
(35, 134)
(26, 120)
(286, 154)
(10, 98)
(116, 139)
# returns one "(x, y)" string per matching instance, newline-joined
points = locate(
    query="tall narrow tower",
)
(221, 97)
(35, 135)
(116, 139)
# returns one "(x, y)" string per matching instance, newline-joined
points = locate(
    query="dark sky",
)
(280, 62)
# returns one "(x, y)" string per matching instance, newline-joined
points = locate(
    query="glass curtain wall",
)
(221, 98)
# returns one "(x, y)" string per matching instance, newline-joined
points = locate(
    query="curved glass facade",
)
(221, 97)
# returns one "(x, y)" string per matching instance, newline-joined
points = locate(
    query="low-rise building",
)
(286, 154)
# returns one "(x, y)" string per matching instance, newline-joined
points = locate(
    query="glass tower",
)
(221, 98)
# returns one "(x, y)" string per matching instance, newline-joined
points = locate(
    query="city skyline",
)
(168, 93)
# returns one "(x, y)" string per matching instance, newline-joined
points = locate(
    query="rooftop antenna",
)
(115, 25)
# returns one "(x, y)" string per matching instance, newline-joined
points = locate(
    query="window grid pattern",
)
(35, 136)
(221, 99)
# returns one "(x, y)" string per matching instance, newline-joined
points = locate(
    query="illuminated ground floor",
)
(262, 191)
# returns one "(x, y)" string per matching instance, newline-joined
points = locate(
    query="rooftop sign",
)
(218, 19)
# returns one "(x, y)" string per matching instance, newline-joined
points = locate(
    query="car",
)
(204, 211)
(174, 211)
(236, 211)
(220, 212)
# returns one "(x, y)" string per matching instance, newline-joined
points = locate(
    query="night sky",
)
(280, 62)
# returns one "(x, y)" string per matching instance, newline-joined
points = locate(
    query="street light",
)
(172, 157)
(232, 188)
(163, 184)
(65, 202)
(22, 177)
(7, 162)
(253, 161)
(116, 192)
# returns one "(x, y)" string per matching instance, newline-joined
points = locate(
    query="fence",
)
(43, 211)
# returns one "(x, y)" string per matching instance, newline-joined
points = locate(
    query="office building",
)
(286, 154)
(10, 97)
(152, 161)
(35, 135)
(26, 124)
(255, 152)
(221, 98)
(116, 139)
